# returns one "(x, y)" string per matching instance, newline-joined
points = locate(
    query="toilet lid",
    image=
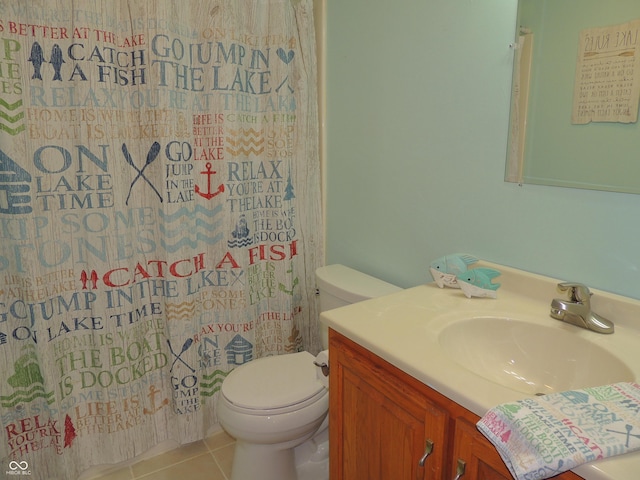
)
(273, 382)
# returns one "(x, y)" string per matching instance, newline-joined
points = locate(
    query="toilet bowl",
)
(270, 406)
(273, 406)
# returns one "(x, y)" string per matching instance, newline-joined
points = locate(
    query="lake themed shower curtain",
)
(159, 217)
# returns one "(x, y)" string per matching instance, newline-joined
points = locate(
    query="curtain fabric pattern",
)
(159, 217)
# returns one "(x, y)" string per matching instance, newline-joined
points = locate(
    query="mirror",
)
(576, 86)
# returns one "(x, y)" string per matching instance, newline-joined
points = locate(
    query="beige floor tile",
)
(224, 457)
(122, 473)
(169, 458)
(202, 467)
(209, 459)
(218, 440)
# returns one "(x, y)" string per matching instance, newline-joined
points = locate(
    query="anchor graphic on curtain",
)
(209, 194)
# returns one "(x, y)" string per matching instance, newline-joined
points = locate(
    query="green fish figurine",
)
(477, 282)
(445, 269)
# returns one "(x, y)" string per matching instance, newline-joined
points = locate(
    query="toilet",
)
(276, 407)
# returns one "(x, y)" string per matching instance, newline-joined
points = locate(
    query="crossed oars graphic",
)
(151, 156)
(185, 347)
(628, 433)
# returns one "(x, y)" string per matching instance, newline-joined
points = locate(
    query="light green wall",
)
(417, 114)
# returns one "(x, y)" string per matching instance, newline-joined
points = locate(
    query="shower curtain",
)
(159, 217)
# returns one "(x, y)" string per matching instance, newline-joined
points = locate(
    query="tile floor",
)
(208, 459)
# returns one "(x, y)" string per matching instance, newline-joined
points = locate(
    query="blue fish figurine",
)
(477, 282)
(445, 269)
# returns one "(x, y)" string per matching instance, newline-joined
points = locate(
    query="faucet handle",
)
(577, 292)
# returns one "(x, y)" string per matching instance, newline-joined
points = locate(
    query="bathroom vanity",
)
(411, 375)
(384, 424)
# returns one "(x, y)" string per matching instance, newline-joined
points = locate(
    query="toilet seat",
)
(274, 385)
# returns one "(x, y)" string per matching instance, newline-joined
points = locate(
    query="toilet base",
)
(312, 457)
(315, 450)
(252, 461)
(307, 461)
(313, 470)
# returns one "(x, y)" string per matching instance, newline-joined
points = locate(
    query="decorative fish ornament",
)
(445, 269)
(477, 282)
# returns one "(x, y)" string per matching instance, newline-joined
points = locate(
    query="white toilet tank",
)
(339, 286)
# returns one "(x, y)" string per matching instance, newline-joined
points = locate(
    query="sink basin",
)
(528, 357)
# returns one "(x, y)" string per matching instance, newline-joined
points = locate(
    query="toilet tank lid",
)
(347, 283)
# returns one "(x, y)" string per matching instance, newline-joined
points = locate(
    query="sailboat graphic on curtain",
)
(159, 217)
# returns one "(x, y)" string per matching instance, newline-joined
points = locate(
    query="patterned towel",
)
(543, 436)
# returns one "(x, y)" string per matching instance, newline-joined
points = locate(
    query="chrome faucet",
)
(577, 309)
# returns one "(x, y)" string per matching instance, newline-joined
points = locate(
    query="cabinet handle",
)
(427, 451)
(460, 469)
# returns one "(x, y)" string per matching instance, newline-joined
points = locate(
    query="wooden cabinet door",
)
(379, 426)
(381, 438)
(482, 461)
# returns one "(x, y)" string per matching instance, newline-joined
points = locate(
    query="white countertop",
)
(403, 329)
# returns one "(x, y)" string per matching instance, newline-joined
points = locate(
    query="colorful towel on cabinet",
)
(543, 436)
